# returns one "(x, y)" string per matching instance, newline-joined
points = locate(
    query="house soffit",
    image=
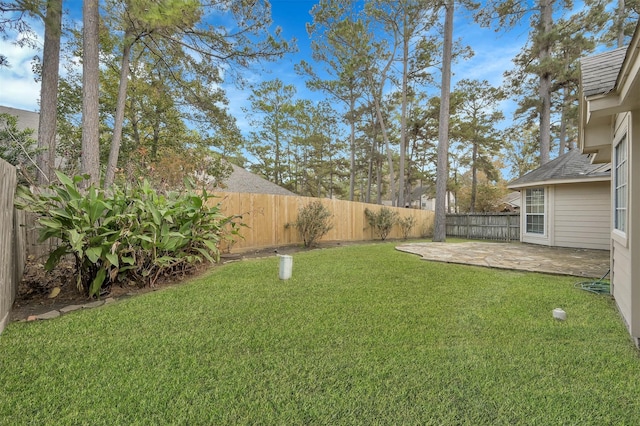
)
(559, 182)
(628, 81)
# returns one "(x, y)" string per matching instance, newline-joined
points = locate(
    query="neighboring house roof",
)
(600, 72)
(567, 168)
(420, 191)
(242, 180)
(513, 199)
(26, 119)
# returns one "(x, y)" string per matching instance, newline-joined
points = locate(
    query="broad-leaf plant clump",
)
(126, 234)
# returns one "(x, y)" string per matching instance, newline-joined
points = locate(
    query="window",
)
(620, 186)
(534, 212)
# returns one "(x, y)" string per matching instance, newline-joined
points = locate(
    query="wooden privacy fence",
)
(12, 242)
(485, 226)
(267, 217)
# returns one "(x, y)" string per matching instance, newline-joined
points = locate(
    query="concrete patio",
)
(516, 256)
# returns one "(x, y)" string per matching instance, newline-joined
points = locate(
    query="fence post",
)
(468, 216)
(8, 257)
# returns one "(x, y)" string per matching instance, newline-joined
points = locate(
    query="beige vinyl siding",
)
(625, 268)
(621, 279)
(582, 215)
(632, 272)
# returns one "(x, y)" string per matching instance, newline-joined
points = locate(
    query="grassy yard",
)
(359, 335)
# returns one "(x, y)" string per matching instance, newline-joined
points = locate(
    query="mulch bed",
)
(37, 285)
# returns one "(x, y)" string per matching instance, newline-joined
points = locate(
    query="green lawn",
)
(359, 335)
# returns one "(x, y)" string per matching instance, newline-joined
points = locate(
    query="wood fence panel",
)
(20, 243)
(9, 261)
(266, 217)
(485, 226)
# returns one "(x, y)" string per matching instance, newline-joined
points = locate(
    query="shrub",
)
(406, 225)
(382, 221)
(126, 234)
(313, 222)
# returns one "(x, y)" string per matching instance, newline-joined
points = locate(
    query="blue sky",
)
(493, 55)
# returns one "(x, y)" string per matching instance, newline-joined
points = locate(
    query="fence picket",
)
(484, 226)
(266, 217)
(11, 261)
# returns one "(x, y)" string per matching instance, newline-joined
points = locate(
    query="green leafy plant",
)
(314, 221)
(406, 225)
(381, 221)
(126, 234)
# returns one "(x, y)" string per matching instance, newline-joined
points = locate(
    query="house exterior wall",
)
(577, 215)
(634, 226)
(625, 273)
(606, 115)
(427, 203)
(582, 215)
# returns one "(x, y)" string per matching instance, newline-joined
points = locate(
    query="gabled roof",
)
(26, 119)
(242, 180)
(513, 199)
(568, 168)
(419, 191)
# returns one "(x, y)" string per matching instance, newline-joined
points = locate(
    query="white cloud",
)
(18, 88)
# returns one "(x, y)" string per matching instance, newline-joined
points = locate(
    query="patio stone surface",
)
(517, 256)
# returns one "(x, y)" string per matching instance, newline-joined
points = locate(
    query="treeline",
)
(142, 93)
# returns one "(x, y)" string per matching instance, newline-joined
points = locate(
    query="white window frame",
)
(527, 212)
(620, 183)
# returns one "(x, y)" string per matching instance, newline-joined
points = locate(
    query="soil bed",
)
(37, 285)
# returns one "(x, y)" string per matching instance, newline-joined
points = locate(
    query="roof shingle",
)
(600, 72)
(570, 166)
(241, 180)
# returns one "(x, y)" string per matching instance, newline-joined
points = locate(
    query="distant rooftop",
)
(600, 72)
(242, 180)
(26, 119)
(571, 166)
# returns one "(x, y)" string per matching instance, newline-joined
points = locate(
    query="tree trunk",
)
(352, 145)
(276, 160)
(116, 140)
(330, 176)
(474, 177)
(367, 197)
(379, 181)
(546, 21)
(155, 138)
(563, 122)
(442, 172)
(49, 91)
(403, 118)
(373, 157)
(90, 92)
(383, 129)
